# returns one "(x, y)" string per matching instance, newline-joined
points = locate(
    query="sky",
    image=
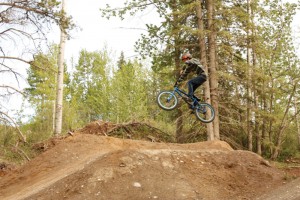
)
(96, 31)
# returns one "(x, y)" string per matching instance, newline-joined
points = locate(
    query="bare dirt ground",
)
(89, 166)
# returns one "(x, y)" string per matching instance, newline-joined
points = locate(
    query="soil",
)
(90, 164)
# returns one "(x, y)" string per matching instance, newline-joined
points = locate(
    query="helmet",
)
(186, 56)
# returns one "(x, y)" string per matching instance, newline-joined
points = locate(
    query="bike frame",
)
(182, 93)
(168, 100)
(179, 92)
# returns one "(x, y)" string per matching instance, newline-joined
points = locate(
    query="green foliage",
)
(42, 82)
(42, 89)
(290, 146)
(41, 92)
(7, 135)
(129, 93)
(90, 89)
(11, 149)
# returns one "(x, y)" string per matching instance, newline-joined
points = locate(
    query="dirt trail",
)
(87, 166)
(289, 191)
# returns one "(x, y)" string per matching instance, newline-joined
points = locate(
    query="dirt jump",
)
(90, 164)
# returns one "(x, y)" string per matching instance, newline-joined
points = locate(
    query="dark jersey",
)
(192, 65)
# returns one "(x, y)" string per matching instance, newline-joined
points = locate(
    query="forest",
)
(246, 47)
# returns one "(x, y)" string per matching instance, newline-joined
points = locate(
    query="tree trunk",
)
(264, 135)
(255, 97)
(53, 115)
(271, 89)
(179, 122)
(248, 113)
(209, 126)
(60, 79)
(270, 113)
(284, 124)
(297, 121)
(213, 78)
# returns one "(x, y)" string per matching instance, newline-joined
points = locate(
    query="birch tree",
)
(24, 28)
(60, 78)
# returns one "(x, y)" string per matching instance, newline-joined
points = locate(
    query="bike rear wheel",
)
(205, 112)
(167, 100)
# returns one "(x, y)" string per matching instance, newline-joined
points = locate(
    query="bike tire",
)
(167, 100)
(205, 112)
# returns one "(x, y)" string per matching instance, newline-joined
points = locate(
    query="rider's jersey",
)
(192, 65)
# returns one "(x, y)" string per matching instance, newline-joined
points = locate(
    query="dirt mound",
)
(86, 166)
(133, 130)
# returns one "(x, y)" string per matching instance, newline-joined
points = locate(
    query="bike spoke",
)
(205, 112)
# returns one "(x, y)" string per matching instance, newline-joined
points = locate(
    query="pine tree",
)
(129, 93)
(42, 88)
(90, 89)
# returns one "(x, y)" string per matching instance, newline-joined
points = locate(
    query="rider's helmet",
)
(186, 56)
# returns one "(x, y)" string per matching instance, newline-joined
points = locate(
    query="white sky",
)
(97, 31)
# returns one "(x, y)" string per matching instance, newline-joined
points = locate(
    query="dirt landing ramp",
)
(97, 167)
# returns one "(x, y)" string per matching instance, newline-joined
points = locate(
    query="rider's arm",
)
(183, 74)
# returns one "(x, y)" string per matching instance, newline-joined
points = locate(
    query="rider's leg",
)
(194, 83)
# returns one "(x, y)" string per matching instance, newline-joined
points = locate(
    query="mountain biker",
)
(192, 65)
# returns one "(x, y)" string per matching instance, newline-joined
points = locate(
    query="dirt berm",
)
(87, 166)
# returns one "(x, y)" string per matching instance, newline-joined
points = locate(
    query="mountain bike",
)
(168, 100)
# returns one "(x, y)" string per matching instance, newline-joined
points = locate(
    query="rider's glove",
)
(176, 84)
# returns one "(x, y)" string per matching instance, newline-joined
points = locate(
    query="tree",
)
(203, 58)
(129, 100)
(41, 91)
(90, 88)
(60, 79)
(257, 63)
(213, 77)
(24, 26)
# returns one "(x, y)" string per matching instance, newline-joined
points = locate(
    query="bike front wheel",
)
(167, 100)
(205, 112)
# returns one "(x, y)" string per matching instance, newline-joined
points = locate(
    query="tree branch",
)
(11, 121)
(13, 88)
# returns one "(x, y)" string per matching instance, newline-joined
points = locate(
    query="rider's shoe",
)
(196, 98)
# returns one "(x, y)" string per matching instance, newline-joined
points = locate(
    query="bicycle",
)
(168, 100)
